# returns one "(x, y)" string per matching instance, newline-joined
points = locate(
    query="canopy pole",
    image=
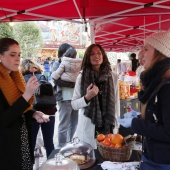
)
(159, 22)
(92, 32)
(144, 29)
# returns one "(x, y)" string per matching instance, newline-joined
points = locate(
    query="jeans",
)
(68, 119)
(47, 132)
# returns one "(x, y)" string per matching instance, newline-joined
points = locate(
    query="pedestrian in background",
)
(61, 50)
(47, 69)
(121, 67)
(68, 117)
(46, 128)
(134, 62)
(69, 68)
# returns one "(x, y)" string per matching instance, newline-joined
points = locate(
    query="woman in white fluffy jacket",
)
(96, 96)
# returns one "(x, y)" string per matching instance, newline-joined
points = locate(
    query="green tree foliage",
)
(6, 30)
(81, 53)
(29, 36)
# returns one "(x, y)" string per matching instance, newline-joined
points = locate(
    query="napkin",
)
(108, 165)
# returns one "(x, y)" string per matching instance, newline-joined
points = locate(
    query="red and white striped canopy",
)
(118, 25)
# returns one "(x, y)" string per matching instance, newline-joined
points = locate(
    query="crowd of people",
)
(87, 96)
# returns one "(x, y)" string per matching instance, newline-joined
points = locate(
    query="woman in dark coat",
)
(154, 124)
(16, 111)
(46, 128)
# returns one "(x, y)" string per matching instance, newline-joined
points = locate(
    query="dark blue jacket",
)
(48, 111)
(46, 66)
(55, 66)
(156, 132)
(27, 76)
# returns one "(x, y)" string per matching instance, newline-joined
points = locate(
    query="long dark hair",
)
(86, 59)
(62, 49)
(71, 53)
(5, 43)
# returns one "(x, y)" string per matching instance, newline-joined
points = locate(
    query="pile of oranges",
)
(111, 140)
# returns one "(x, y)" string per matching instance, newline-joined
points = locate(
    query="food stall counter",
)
(97, 166)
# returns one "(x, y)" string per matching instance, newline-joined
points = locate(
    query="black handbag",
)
(44, 95)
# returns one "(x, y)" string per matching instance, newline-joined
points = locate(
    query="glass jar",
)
(60, 163)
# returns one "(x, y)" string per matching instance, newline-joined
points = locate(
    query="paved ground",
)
(40, 160)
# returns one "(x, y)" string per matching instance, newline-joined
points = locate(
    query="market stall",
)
(128, 89)
(135, 157)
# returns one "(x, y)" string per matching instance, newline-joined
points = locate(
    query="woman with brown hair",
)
(96, 96)
(16, 112)
(154, 124)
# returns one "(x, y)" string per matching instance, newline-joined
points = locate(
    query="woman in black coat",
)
(16, 111)
(154, 124)
(46, 128)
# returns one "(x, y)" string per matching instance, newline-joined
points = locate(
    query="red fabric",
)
(130, 73)
(118, 26)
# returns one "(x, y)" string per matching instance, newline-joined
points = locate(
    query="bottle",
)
(129, 109)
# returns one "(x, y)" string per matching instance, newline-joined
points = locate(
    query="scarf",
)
(151, 79)
(13, 86)
(101, 114)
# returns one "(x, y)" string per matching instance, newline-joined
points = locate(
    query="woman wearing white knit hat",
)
(154, 123)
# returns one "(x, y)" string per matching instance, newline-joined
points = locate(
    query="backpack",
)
(44, 95)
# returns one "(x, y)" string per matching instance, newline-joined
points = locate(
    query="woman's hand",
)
(125, 122)
(92, 91)
(31, 86)
(41, 117)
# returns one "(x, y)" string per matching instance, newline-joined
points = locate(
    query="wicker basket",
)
(116, 154)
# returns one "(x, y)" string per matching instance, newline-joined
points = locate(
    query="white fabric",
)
(39, 140)
(107, 165)
(68, 69)
(67, 93)
(85, 128)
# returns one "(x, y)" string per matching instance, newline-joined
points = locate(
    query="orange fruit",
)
(100, 137)
(107, 138)
(118, 145)
(110, 135)
(117, 139)
(106, 142)
(112, 145)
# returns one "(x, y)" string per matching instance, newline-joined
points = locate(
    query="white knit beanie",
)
(160, 41)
